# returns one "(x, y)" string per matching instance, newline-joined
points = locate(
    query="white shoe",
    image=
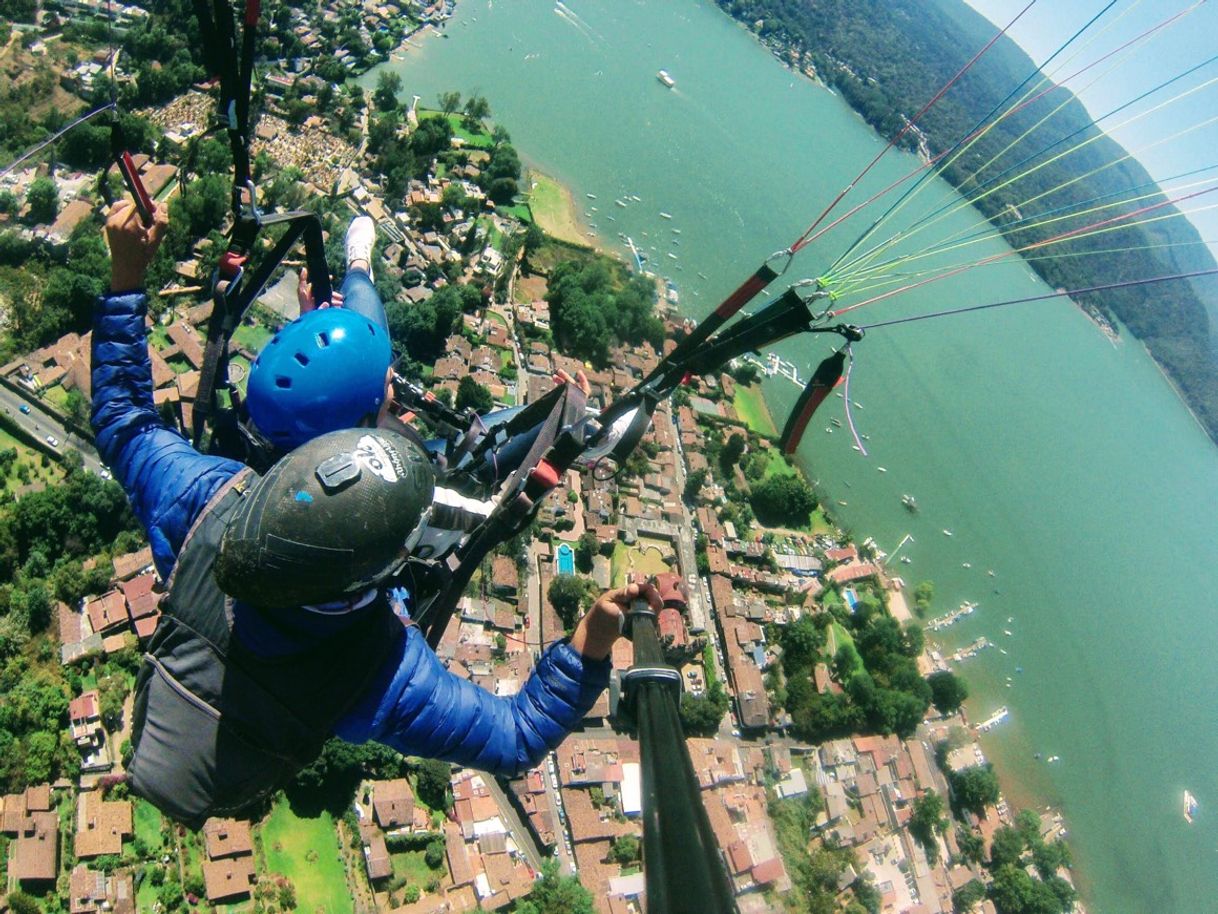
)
(361, 237)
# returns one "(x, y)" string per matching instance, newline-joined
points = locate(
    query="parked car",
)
(25, 408)
(52, 441)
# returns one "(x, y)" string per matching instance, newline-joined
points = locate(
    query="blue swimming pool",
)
(565, 558)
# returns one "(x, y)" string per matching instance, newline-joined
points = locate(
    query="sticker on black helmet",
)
(380, 457)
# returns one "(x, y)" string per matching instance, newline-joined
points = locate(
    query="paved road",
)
(40, 423)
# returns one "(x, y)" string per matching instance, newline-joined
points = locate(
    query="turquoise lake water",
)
(1062, 463)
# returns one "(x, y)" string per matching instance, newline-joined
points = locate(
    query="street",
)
(39, 423)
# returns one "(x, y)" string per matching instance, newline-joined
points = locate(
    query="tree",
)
(434, 855)
(472, 395)
(112, 690)
(21, 903)
(587, 547)
(388, 85)
(947, 690)
(967, 897)
(1006, 848)
(693, 485)
(923, 594)
(566, 594)
(975, 788)
(927, 823)
(972, 846)
(625, 850)
(477, 109)
(732, 451)
(43, 198)
(450, 102)
(554, 894)
(411, 895)
(433, 781)
(702, 714)
(784, 500)
(801, 645)
(1013, 891)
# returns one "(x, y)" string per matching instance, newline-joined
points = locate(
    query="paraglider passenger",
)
(285, 621)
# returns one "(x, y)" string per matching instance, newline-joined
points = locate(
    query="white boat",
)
(672, 255)
(966, 564)
(664, 215)
(590, 196)
(882, 469)
(667, 80)
(676, 231)
(946, 532)
(1190, 807)
(905, 560)
(621, 203)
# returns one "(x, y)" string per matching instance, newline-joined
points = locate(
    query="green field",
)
(751, 408)
(148, 826)
(252, 338)
(32, 459)
(647, 558)
(412, 865)
(839, 638)
(472, 140)
(552, 207)
(306, 851)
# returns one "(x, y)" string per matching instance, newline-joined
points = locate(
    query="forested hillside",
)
(887, 57)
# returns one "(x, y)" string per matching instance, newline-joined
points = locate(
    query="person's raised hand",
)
(562, 376)
(601, 627)
(133, 244)
(304, 295)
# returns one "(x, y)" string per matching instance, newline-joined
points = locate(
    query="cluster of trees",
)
(44, 538)
(571, 595)
(816, 868)
(783, 500)
(419, 330)
(1013, 888)
(883, 690)
(885, 57)
(596, 304)
(49, 294)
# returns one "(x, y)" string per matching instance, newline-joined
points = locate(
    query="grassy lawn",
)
(145, 897)
(159, 338)
(56, 396)
(552, 207)
(472, 140)
(306, 851)
(520, 210)
(412, 865)
(252, 338)
(645, 558)
(839, 639)
(750, 407)
(30, 458)
(777, 465)
(178, 364)
(148, 826)
(497, 318)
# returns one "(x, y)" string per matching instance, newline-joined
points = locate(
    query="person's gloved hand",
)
(132, 244)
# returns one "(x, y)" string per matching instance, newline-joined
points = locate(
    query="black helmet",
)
(327, 521)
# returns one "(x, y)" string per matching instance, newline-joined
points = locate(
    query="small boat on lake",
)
(910, 503)
(664, 215)
(667, 80)
(590, 196)
(1190, 807)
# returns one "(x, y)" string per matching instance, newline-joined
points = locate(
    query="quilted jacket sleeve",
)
(167, 480)
(420, 708)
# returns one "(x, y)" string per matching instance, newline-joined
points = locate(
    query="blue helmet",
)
(322, 372)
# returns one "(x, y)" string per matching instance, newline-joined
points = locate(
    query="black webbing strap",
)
(558, 443)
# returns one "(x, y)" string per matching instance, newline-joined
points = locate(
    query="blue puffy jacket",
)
(415, 705)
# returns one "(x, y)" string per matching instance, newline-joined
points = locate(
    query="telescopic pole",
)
(684, 870)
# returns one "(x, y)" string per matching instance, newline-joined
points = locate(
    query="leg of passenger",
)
(360, 296)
